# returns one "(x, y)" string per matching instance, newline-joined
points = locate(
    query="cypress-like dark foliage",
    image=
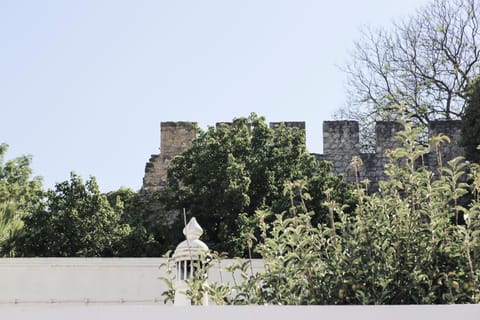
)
(470, 139)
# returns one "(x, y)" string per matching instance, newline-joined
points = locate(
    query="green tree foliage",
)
(470, 139)
(400, 246)
(425, 63)
(19, 193)
(75, 221)
(235, 169)
(149, 222)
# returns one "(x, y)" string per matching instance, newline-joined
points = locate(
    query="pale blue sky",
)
(85, 84)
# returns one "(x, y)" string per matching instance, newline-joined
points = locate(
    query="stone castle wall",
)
(175, 137)
(340, 144)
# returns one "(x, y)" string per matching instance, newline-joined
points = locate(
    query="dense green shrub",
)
(150, 225)
(399, 247)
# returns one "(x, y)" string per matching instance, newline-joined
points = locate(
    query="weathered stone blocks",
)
(340, 144)
(175, 137)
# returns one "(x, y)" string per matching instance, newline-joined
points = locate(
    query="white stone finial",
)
(186, 257)
(192, 230)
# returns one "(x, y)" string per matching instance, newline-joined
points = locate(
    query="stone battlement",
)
(175, 137)
(341, 142)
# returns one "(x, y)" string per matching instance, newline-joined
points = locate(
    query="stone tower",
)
(175, 137)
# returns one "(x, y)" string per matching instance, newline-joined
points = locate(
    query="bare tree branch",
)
(424, 63)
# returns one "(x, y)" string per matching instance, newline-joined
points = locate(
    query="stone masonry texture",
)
(340, 145)
(175, 137)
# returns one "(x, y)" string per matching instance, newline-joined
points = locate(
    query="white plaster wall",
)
(79, 279)
(90, 280)
(156, 312)
(104, 281)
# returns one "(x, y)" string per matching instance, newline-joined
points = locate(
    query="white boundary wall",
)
(80, 280)
(129, 288)
(89, 280)
(155, 312)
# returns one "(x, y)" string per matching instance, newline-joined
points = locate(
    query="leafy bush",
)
(402, 245)
(150, 224)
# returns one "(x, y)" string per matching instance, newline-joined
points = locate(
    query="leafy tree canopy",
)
(76, 220)
(235, 169)
(19, 193)
(424, 63)
(151, 229)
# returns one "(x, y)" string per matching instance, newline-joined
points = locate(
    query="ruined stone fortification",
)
(175, 137)
(340, 145)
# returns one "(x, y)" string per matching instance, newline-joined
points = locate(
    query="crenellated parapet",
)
(341, 142)
(289, 124)
(175, 138)
(452, 129)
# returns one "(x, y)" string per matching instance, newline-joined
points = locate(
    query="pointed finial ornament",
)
(192, 230)
(187, 258)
